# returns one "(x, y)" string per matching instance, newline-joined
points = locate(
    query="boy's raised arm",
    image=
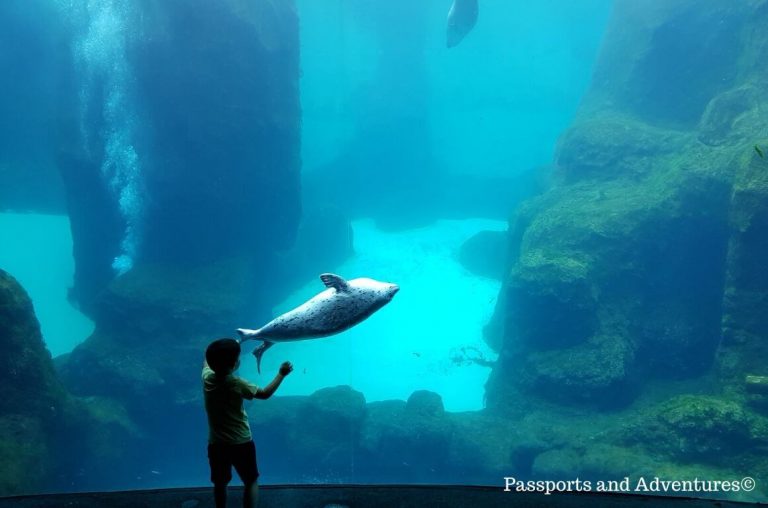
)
(266, 392)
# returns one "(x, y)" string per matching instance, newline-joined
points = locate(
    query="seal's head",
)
(382, 292)
(392, 291)
(385, 290)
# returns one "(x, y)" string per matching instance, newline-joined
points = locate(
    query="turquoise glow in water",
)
(37, 251)
(423, 340)
(507, 91)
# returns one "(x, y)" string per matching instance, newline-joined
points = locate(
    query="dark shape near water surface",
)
(461, 20)
(341, 306)
(759, 152)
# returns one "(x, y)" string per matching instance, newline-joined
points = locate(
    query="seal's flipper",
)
(246, 334)
(259, 352)
(334, 281)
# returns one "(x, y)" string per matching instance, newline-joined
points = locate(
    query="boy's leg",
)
(251, 495)
(221, 472)
(244, 460)
(220, 495)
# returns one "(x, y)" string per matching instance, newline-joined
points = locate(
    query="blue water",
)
(37, 250)
(508, 93)
(100, 58)
(174, 170)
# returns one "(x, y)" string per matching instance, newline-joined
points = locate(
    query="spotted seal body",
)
(340, 307)
(461, 19)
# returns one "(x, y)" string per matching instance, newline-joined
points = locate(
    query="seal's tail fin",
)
(259, 352)
(246, 334)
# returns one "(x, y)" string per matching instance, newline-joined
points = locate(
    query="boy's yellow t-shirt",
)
(227, 419)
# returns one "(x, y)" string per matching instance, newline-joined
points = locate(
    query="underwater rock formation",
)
(152, 327)
(333, 435)
(28, 376)
(327, 437)
(643, 263)
(48, 439)
(622, 269)
(32, 395)
(698, 427)
(637, 286)
(180, 137)
(184, 178)
(485, 254)
(179, 148)
(409, 441)
(220, 86)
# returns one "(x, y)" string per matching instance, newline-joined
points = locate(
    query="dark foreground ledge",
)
(358, 496)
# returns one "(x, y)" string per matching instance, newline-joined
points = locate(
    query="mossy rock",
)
(745, 322)
(198, 299)
(103, 367)
(649, 45)
(26, 458)
(411, 441)
(105, 427)
(554, 304)
(602, 262)
(484, 446)
(333, 411)
(599, 462)
(26, 368)
(558, 463)
(485, 254)
(424, 403)
(95, 442)
(34, 404)
(47, 435)
(153, 325)
(609, 145)
(327, 431)
(599, 373)
(733, 116)
(702, 428)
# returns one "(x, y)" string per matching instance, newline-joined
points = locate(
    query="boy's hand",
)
(286, 368)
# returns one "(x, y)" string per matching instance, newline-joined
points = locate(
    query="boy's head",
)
(222, 355)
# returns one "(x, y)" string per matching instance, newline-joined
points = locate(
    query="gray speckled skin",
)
(343, 305)
(329, 312)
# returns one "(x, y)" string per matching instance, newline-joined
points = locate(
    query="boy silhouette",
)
(229, 438)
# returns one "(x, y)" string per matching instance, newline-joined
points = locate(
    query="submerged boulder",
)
(181, 146)
(408, 442)
(50, 440)
(183, 192)
(26, 369)
(326, 436)
(644, 249)
(485, 254)
(32, 399)
(744, 351)
(701, 429)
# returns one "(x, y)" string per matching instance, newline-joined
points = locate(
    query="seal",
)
(340, 307)
(461, 19)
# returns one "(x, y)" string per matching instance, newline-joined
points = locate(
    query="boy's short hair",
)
(222, 355)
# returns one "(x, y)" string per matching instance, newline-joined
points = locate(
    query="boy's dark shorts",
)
(222, 457)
